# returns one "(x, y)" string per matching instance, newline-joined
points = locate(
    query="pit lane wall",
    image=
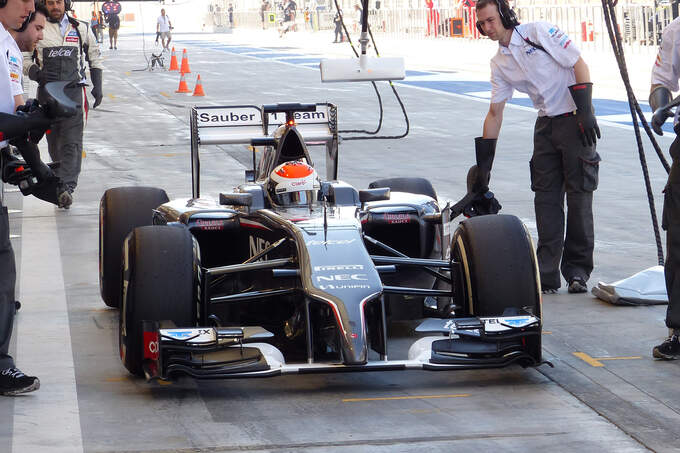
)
(640, 24)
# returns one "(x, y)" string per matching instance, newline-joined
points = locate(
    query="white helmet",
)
(293, 183)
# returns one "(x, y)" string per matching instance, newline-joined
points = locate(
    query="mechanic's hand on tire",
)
(482, 204)
(659, 118)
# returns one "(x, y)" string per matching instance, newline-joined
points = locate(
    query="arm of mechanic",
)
(94, 58)
(582, 94)
(493, 120)
(485, 147)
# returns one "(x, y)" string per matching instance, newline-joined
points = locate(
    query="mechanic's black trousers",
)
(671, 223)
(65, 144)
(8, 276)
(562, 165)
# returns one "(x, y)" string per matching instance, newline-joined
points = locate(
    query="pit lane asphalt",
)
(140, 136)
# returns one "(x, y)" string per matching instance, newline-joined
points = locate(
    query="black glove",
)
(482, 204)
(30, 106)
(485, 151)
(582, 93)
(96, 75)
(34, 73)
(658, 100)
(31, 155)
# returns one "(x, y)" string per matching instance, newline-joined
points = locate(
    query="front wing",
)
(448, 344)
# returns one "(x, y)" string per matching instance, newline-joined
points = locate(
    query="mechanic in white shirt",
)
(163, 26)
(13, 13)
(665, 75)
(540, 60)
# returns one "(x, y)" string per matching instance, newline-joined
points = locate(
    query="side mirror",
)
(377, 194)
(236, 199)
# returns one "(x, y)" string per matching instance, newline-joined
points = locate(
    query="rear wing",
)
(252, 125)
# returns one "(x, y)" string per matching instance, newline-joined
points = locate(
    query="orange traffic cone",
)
(173, 61)
(185, 63)
(183, 88)
(198, 90)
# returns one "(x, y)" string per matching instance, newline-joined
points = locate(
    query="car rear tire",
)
(160, 278)
(420, 186)
(121, 210)
(498, 270)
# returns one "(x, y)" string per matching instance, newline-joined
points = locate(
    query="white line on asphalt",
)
(49, 419)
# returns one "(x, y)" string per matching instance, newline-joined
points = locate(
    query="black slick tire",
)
(161, 266)
(498, 271)
(121, 209)
(498, 267)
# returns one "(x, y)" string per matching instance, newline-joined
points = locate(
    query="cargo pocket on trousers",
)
(591, 167)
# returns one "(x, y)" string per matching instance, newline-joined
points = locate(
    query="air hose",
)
(608, 8)
(375, 87)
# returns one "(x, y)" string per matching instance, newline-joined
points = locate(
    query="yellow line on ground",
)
(547, 332)
(589, 360)
(160, 382)
(163, 93)
(415, 397)
(632, 357)
(111, 96)
(116, 379)
(127, 73)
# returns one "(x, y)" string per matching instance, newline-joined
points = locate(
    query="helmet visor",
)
(301, 198)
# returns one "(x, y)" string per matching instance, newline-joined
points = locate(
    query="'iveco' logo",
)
(60, 53)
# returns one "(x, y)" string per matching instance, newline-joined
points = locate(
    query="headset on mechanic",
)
(540, 60)
(67, 45)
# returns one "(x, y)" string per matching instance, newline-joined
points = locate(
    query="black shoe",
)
(110, 47)
(668, 350)
(65, 199)
(549, 290)
(13, 382)
(577, 285)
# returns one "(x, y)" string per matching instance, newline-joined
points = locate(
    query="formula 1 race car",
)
(293, 273)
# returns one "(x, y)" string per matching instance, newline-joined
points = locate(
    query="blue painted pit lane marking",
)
(610, 110)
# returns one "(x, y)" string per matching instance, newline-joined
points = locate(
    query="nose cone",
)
(355, 346)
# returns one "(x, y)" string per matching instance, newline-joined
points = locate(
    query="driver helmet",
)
(293, 183)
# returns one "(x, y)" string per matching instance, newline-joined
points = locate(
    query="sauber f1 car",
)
(294, 273)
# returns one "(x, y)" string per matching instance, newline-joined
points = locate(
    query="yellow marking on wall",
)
(597, 361)
(415, 397)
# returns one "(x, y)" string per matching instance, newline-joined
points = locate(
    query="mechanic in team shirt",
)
(62, 55)
(13, 13)
(665, 75)
(540, 60)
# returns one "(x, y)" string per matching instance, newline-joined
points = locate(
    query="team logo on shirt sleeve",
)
(558, 35)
